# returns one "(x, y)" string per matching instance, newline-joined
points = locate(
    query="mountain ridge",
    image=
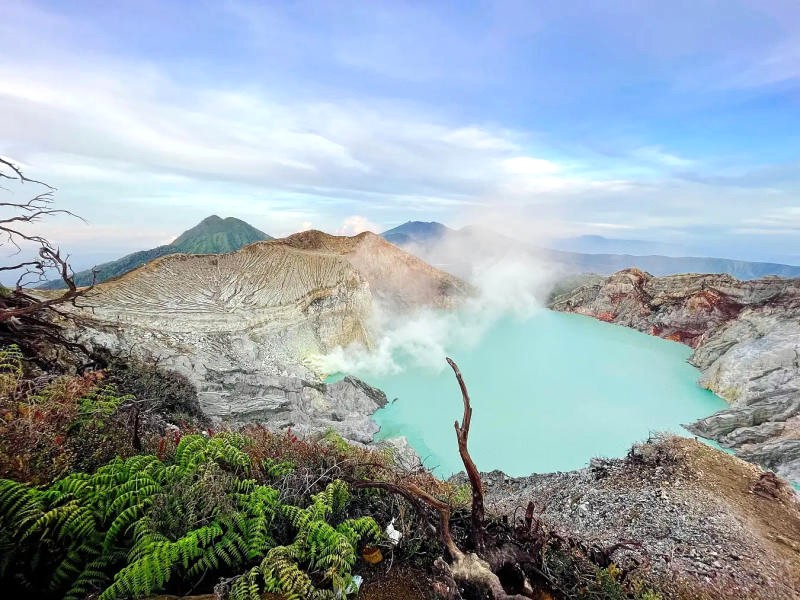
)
(598, 244)
(414, 231)
(423, 238)
(215, 235)
(212, 235)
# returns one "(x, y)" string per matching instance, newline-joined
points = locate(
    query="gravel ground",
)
(707, 523)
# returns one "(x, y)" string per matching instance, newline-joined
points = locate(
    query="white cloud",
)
(782, 218)
(481, 139)
(126, 151)
(779, 64)
(528, 166)
(356, 224)
(246, 138)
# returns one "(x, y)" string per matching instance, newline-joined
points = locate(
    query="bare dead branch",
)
(29, 318)
(30, 263)
(418, 497)
(18, 174)
(462, 435)
(467, 568)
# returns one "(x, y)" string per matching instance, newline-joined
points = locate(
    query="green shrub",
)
(166, 393)
(96, 407)
(49, 427)
(578, 577)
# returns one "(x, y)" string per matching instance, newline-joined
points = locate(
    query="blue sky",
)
(674, 121)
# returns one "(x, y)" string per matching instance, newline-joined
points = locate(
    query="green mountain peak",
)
(212, 235)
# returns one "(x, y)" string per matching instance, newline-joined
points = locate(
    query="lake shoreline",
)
(435, 398)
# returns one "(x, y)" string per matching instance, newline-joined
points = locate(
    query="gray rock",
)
(405, 456)
(690, 512)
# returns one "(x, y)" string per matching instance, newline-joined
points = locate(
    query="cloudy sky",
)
(675, 121)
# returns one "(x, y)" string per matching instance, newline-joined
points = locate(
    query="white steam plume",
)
(508, 283)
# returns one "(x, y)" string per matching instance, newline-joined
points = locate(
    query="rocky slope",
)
(396, 278)
(697, 522)
(246, 326)
(746, 340)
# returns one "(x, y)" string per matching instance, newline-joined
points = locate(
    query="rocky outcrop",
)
(246, 327)
(696, 522)
(396, 278)
(746, 340)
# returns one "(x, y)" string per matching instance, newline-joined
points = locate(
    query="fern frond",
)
(123, 522)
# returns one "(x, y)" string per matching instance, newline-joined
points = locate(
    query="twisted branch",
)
(468, 568)
(18, 174)
(19, 302)
(29, 319)
(462, 435)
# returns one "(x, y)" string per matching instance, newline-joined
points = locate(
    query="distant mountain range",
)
(453, 249)
(416, 232)
(598, 244)
(213, 235)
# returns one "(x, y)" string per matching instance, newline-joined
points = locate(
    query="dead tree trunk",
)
(465, 568)
(478, 520)
(30, 319)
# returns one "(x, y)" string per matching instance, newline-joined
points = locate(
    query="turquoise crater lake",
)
(548, 393)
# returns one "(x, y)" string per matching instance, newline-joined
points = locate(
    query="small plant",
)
(607, 585)
(326, 551)
(96, 407)
(274, 469)
(336, 441)
(11, 370)
(35, 440)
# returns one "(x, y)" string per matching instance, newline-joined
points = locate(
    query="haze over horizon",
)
(674, 123)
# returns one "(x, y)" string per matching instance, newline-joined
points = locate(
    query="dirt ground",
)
(399, 583)
(767, 506)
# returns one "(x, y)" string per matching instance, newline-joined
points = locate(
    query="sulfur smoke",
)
(508, 283)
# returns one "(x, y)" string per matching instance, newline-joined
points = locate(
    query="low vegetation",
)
(54, 422)
(142, 525)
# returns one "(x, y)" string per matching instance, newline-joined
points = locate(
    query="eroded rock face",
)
(398, 279)
(746, 336)
(245, 326)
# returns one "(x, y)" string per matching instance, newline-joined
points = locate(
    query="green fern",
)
(114, 532)
(318, 546)
(96, 406)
